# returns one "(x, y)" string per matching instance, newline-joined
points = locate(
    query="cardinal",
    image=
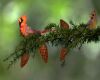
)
(25, 30)
(64, 51)
(93, 20)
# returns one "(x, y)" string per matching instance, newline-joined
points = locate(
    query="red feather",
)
(24, 59)
(44, 52)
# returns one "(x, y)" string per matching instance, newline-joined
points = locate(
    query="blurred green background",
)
(80, 64)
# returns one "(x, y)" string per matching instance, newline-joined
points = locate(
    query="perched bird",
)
(25, 30)
(64, 51)
(92, 21)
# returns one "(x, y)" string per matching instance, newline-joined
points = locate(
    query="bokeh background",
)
(81, 64)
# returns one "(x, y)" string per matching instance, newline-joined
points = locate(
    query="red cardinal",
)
(25, 30)
(64, 51)
(93, 20)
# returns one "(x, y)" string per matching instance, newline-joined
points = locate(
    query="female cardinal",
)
(93, 20)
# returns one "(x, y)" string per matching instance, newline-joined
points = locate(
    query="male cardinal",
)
(25, 31)
(93, 20)
(64, 51)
